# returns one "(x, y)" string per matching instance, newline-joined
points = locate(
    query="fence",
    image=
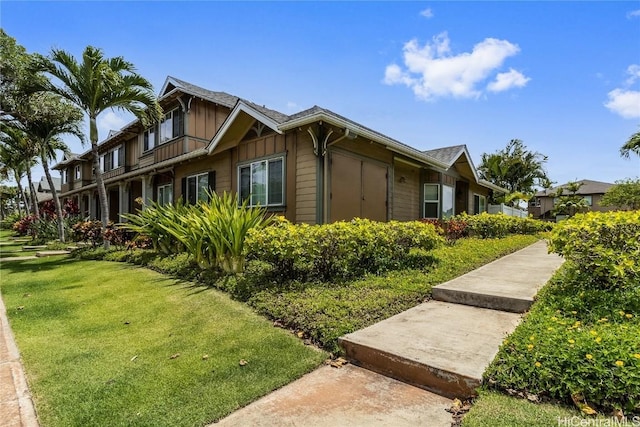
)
(507, 210)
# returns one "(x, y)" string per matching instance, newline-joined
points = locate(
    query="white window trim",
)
(65, 176)
(78, 172)
(425, 201)
(152, 143)
(266, 160)
(453, 200)
(481, 198)
(160, 189)
(197, 178)
(171, 137)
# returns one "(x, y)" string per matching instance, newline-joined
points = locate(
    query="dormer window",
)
(78, 173)
(149, 139)
(172, 125)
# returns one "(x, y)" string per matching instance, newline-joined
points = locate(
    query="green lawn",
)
(109, 344)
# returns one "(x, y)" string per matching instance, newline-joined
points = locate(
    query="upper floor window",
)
(149, 139)
(64, 175)
(262, 182)
(172, 125)
(113, 159)
(78, 173)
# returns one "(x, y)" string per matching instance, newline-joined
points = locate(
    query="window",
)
(431, 200)
(149, 139)
(262, 182)
(171, 126)
(589, 200)
(165, 194)
(197, 186)
(447, 201)
(479, 204)
(64, 175)
(78, 174)
(113, 159)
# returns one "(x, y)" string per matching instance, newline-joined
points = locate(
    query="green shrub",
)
(179, 265)
(341, 250)
(498, 225)
(9, 220)
(87, 231)
(568, 347)
(605, 246)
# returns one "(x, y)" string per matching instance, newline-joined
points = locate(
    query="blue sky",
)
(564, 77)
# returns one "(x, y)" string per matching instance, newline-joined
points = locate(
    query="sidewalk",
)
(439, 350)
(16, 407)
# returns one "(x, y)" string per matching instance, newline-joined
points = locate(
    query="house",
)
(43, 191)
(542, 204)
(314, 166)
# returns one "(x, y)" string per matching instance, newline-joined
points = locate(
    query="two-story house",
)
(314, 166)
(542, 204)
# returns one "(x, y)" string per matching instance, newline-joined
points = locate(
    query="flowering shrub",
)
(575, 347)
(341, 250)
(88, 231)
(24, 225)
(605, 246)
(451, 229)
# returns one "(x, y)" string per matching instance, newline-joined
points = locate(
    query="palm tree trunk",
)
(22, 193)
(34, 198)
(56, 198)
(102, 191)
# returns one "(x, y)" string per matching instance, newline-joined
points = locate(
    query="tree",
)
(48, 117)
(632, 145)
(11, 161)
(569, 204)
(624, 195)
(25, 151)
(515, 168)
(95, 85)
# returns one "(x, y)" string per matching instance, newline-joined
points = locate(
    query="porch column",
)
(123, 193)
(147, 189)
(92, 207)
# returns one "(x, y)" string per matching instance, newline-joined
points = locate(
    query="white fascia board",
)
(492, 186)
(241, 107)
(366, 133)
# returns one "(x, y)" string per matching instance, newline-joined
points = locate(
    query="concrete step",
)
(51, 253)
(439, 346)
(34, 247)
(508, 284)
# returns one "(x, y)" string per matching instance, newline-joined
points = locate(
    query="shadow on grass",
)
(38, 264)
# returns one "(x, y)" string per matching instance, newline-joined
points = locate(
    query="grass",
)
(327, 311)
(97, 340)
(499, 410)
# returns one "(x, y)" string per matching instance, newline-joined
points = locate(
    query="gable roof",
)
(447, 155)
(588, 187)
(44, 187)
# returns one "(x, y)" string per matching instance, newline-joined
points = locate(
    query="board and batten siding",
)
(205, 119)
(306, 180)
(406, 192)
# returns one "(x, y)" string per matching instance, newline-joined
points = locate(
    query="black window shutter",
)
(121, 156)
(184, 190)
(212, 181)
(145, 144)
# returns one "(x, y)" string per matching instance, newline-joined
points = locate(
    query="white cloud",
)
(633, 14)
(110, 120)
(626, 103)
(506, 81)
(427, 13)
(432, 70)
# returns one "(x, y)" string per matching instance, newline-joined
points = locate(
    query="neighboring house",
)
(542, 204)
(314, 166)
(43, 191)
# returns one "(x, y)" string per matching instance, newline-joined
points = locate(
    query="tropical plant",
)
(152, 222)
(11, 161)
(45, 118)
(631, 146)
(514, 168)
(624, 195)
(569, 204)
(95, 85)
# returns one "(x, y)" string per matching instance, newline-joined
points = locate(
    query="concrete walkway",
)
(16, 406)
(442, 347)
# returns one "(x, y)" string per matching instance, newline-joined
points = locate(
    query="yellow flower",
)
(531, 338)
(554, 318)
(637, 355)
(621, 313)
(589, 356)
(572, 341)
(538, 364)
(628, 315)
(549, 328)
(619, 363)
(530, 346)
(604, 319)
(574, 312)
(598, 339)
(592, 332)
(578, 323)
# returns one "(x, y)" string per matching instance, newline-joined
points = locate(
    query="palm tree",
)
(25, 151)
(49, 118)
(95, 85)
(11, 161)
(632, 145)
